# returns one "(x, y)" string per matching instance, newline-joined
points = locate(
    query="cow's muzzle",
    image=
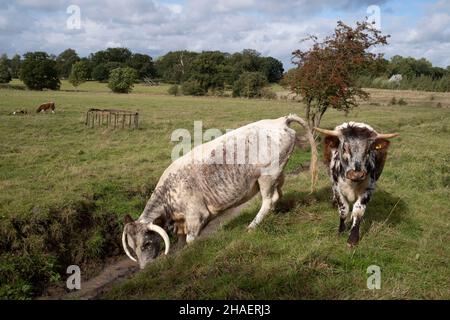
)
(356, 175)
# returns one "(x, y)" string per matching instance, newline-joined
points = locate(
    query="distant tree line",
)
(245, 73)
(198, 73)
(213, 71)
(417, 74)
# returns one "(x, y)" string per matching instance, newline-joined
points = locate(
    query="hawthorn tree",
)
(326, 74)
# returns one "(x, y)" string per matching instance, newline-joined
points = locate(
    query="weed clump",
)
(393, 101)
(402, 102)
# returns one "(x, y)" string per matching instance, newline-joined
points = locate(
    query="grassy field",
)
(65, 187)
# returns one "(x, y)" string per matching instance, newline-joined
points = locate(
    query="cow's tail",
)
(313, 167)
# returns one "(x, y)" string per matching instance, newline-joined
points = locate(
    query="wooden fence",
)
(112, 118)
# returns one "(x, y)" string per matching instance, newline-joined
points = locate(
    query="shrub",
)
(393, 101)
(121, 80)
(39, 72)
(249, 85)
(217, 92)
(79, 73)
(193, 88)
(5, 75)
(174, 90)
(268, 93)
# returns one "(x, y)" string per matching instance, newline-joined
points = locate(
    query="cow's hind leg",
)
(280, 183)
(269, 195)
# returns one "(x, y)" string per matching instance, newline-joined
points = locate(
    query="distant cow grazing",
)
(210, 179)
(46, 106)
(355, 155)
(19, 112)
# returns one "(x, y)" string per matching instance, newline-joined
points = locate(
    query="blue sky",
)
(418, 28)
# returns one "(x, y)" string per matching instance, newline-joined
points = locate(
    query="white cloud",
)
(269, 26)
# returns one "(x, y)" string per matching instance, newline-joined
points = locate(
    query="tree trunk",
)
(309, 127)
(313, 166)
(313, 119)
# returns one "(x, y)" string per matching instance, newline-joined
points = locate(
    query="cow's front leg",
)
(195, 223)
(343, 208)
(357, 214)
(193, 230)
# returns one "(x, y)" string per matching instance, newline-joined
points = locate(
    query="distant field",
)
(95, 86)
(64, 189)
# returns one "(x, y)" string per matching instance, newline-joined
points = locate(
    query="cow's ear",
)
(380, 144)
(127, 219)
(331, 142)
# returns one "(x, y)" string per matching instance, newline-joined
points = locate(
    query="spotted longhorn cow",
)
(209, 180)
(355, 155)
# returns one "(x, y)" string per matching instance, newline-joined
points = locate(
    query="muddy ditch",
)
(37, 246)
(123, 268)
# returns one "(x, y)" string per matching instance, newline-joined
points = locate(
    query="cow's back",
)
(220, 181)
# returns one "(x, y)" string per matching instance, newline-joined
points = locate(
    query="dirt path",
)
(125, 268)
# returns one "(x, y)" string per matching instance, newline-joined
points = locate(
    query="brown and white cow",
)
(46, 106)
(355, 155)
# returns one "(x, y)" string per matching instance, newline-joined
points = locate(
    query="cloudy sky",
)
(418, 28)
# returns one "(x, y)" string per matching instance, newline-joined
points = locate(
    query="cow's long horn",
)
(125, 247)
(387, 135)
(162, 233)
(328, 132)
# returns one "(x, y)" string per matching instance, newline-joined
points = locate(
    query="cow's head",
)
(143, 239)
(358, 145)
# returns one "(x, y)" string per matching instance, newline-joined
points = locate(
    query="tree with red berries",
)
(326, 74)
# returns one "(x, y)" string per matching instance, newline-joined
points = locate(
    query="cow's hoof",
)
(351, 245)
(352, 241)
(342, 226)
(250, 228)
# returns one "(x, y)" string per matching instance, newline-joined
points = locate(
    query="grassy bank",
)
(296, 253)
(64, 189)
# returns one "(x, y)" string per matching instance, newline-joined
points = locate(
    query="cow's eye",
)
(147, 244)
